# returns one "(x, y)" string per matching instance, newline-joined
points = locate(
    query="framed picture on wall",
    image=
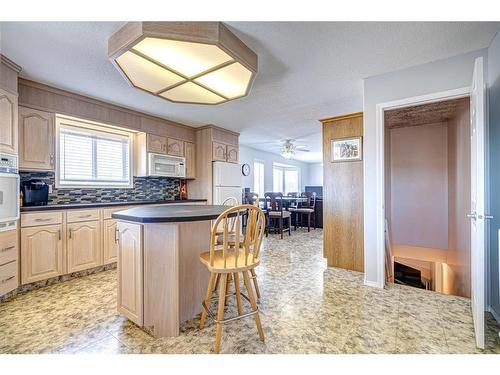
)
(347, 149)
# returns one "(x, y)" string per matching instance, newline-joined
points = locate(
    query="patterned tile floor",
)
(305, 308)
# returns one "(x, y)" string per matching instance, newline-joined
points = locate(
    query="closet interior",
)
(427, 196)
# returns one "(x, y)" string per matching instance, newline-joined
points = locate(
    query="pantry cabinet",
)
(41, 253)
(190, 155)
(130, 272)
(83, 245)
(8, 122)
(36, 140)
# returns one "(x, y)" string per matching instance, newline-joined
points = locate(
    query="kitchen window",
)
(258, 178)
(285, 179)
(92, 155)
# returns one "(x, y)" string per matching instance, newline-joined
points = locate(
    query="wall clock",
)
(245, 169)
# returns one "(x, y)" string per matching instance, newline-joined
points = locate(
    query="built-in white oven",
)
(9, 192)
(165, 165)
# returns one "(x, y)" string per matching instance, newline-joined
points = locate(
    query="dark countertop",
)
(170, 214)
(103, 204)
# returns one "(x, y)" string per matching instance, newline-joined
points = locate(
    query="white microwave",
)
(166, 166)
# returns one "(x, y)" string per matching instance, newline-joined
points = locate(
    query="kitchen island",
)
(161, 282)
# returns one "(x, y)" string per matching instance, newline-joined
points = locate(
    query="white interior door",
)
(477, 214)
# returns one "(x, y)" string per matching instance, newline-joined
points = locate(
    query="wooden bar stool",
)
(231, 261)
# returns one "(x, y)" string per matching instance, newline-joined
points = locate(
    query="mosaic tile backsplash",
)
(144, 189)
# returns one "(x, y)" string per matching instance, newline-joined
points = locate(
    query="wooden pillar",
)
(343, 195)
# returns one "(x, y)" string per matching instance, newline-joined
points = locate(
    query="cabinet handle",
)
(6, 249)
(42, 220)
(7, 279)
(116, 235)
(69, 232)
(59, 234)
(51, 159)
(84, 216)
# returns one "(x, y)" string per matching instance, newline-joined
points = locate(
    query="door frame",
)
(380, 162)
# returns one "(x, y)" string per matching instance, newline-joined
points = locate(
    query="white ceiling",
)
(307, 71)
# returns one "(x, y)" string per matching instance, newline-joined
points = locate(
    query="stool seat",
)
(305, 210)
(232, 264)
(279, 214)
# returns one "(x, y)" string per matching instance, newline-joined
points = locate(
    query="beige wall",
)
(458, 258)
(419, 185)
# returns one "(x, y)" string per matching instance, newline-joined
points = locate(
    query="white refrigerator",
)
(227, 181)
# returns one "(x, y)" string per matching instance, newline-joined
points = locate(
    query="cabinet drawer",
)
(8, 246)
(75, 216)
(41, 218)
(9, 279)
(107, 212)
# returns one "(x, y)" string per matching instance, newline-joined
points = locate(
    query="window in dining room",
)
(285, 179)
(258, 178)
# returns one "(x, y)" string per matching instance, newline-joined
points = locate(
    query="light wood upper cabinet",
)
(8, 122)
(110, 241)
(36, 140)
(156, 144)
(83, 245)
(190, 155)
(218, 151)
(41, 253)
(175, 147)
(130, 272)
(232, 154)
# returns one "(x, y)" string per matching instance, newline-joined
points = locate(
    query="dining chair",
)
(224, 260)
(307, 208)
(273, 204)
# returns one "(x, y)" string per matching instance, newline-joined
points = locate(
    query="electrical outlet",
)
(50, 188)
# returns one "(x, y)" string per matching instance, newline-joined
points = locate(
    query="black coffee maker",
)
(35, 193)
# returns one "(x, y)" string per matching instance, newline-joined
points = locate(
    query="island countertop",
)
(170, 214)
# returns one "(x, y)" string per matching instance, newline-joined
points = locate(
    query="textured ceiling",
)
(423, 114)
(307, 71)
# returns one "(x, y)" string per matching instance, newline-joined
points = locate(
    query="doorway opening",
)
(427, 185)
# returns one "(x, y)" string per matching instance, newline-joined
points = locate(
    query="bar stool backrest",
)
(311, 200)
(273, 202)
(252, 236)
(252, 198)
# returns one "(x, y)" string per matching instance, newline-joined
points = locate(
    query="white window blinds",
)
(89, 156)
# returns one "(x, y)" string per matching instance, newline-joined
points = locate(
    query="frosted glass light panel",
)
(145, 74)
(231, 81)
(189, 59)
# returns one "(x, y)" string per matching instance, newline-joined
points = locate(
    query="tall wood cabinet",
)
(8, 122)
(130, 271)
(212, 144)
(36, 140)
(342, 197)
(8, 105)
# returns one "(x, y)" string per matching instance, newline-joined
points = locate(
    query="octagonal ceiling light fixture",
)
(184, 62)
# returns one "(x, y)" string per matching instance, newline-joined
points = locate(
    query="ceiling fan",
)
(289, 149)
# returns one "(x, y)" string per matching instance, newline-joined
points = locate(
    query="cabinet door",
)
(175, 147)
(218, 151)
(41, 253)
(8, 122)
(232, 154)
(84, 245)
(190, 154)
(156, 144)
(130, 272)
(110, 247)
(36, 140)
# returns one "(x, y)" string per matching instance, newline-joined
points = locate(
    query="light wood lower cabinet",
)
(110, 241)
(84, 245)
(41, 253)
(130, 272)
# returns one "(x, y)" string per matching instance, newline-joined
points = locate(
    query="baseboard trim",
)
(494, 313)
(373, 284)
